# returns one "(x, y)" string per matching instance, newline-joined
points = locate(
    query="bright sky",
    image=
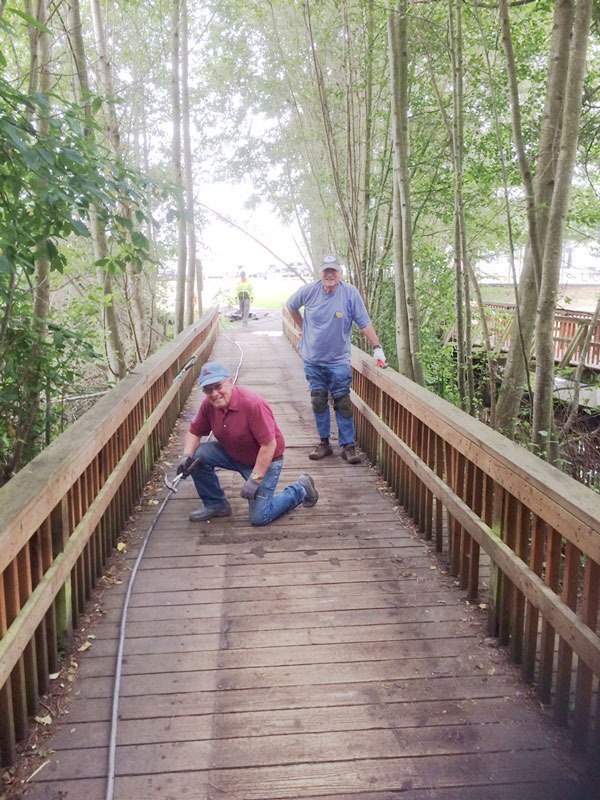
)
(223, 248)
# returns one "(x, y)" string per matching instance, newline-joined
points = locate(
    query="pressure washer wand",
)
(172, 485)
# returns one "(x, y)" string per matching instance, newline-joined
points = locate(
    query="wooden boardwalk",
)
(328, 655)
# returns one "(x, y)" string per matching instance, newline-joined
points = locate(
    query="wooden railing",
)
(61, 515)
(478, 496)
(570, 329)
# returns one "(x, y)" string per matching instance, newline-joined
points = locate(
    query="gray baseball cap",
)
(330, 262)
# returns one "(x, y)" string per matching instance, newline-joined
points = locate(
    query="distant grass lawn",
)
(269, 293)
(573, 296)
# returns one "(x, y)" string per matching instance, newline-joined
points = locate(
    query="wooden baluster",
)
(8, 737)
(17, 677)
(41, 634)
(439, 507)
(585, 677)
(551, 578)
(523, 528)
(564, 671)
(509, 536)
(532, 615)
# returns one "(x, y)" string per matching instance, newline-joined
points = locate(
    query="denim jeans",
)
(336, 381)
(244, 309)
(266, 506)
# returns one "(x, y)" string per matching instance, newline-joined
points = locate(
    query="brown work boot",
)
(350, 455)
(321, 450)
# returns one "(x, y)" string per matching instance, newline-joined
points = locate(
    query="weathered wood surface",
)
(328, 655)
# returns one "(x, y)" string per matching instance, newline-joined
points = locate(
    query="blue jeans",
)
(244, 309)
(266, 506)
(335, 380)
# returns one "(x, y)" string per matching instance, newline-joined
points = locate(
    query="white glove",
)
(379, 357)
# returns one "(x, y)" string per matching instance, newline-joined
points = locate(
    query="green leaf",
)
(6, 265)
(28, 19)
(80, 228)
(124, 221)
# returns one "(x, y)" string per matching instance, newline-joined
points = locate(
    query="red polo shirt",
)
(247, 424)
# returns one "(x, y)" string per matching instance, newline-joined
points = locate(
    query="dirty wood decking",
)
(328, 655)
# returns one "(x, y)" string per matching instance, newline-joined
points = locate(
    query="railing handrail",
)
(567, 313)
(571, 328)
(533, 481)
(61, 515)
(24, 499)
(571, 508)
(471, 489)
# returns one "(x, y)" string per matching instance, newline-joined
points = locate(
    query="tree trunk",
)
(460, 296)
(33, 372)
(468, 269)
(177, 167)
(407, 315)
(543, 416)
(522, 329)
(115, 351)
(343, 189)
(189, 178)
(139, 329)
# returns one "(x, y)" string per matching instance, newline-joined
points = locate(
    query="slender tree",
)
(33, 374)
(177, 164)
(407, 320)
(193, 263)
(115, 349)
(543, 418)
(522, 330)
(135, 305)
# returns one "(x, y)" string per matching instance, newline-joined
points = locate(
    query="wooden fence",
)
(570, 330)
(61, 516)
(472, 491)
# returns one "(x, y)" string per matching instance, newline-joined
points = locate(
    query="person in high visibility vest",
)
(245, 294)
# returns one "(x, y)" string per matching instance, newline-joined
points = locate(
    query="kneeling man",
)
(247, 440)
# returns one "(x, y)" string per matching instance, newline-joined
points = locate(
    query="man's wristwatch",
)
(256, 476)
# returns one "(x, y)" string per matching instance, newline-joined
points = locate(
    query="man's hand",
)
(379, 357)
(184, 466)
(249, 489)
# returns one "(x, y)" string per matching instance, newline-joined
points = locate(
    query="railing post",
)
(8, 739)
(63, 605)
(496, 526)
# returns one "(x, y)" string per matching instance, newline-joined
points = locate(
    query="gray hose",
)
(112, 742)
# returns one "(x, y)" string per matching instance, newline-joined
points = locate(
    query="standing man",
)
(330, 308)
(245, 295)
(247, 440)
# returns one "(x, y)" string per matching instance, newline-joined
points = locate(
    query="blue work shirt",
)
(328, 318)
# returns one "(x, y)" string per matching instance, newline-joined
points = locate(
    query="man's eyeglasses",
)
(213, 387)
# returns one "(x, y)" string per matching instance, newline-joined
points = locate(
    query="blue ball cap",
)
(212, 372)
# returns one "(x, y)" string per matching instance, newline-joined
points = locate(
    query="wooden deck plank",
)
(315, 719)
(179, 640)
(341, 747)
(312, 656)
(329, 655)
(287, 623)
(511, 776)
(444, 689)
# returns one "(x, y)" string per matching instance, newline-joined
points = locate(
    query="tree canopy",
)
(412, 138)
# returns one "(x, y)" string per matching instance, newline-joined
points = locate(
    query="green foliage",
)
(32, 366)
(49, 182)
(435, 292)
(55, 180)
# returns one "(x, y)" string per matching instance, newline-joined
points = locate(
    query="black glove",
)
(249, 489)
(184, 466)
